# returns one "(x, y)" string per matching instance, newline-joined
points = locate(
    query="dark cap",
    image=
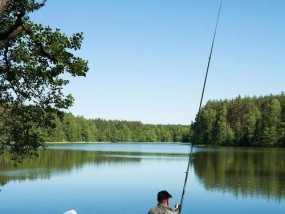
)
(162, 195)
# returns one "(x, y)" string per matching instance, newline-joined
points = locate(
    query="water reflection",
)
(242, 172)
(54, 162)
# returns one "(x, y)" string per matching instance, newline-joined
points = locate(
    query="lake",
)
(111, 178)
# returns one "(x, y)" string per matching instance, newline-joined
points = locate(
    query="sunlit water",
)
(125, 178)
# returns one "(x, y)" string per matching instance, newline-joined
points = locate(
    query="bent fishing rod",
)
(198, 115)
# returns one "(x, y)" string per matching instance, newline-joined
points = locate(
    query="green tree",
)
(208, 122)
(271, 121)
(150, 134)
(166, 135)
(84, 132)
(222, 129)
(56, 134)
(127, 133)
(251, 120)
(32, 60)
(281, 134)
(94, 131)
(70, 128)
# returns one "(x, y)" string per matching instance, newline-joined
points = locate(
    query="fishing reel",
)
(177, 207)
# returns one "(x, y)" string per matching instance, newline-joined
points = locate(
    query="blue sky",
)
(148, 58)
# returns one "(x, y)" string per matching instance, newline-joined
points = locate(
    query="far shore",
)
(81, 142)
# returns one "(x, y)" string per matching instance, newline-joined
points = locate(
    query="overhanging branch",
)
(4, 4)
(15, 29)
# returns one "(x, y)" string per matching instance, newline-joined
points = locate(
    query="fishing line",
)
(198, 115)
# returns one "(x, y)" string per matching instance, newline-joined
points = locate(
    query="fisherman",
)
(163, 198)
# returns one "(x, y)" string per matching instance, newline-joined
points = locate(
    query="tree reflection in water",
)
(242, 171)
(239, 171)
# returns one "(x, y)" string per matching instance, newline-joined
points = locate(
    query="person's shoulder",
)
(152, 211)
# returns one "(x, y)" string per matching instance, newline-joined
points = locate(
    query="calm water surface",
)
(125, 178)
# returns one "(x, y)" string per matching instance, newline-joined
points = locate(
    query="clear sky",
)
(148, 58)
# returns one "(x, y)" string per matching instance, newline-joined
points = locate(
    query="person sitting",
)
(163, 198)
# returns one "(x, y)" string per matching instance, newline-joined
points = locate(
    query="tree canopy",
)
(70, 128)
(33, 59)
(255, 121)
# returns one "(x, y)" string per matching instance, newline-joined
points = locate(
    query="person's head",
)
(163, 197)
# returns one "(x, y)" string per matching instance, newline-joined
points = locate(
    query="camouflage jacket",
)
(161, 209)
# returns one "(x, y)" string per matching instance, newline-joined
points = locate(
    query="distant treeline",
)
(70, 128)
(248, 121)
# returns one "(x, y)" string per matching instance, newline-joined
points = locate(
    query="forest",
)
(247, 121)
(72, 128)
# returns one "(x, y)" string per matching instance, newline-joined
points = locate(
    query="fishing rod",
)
(198, 115)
